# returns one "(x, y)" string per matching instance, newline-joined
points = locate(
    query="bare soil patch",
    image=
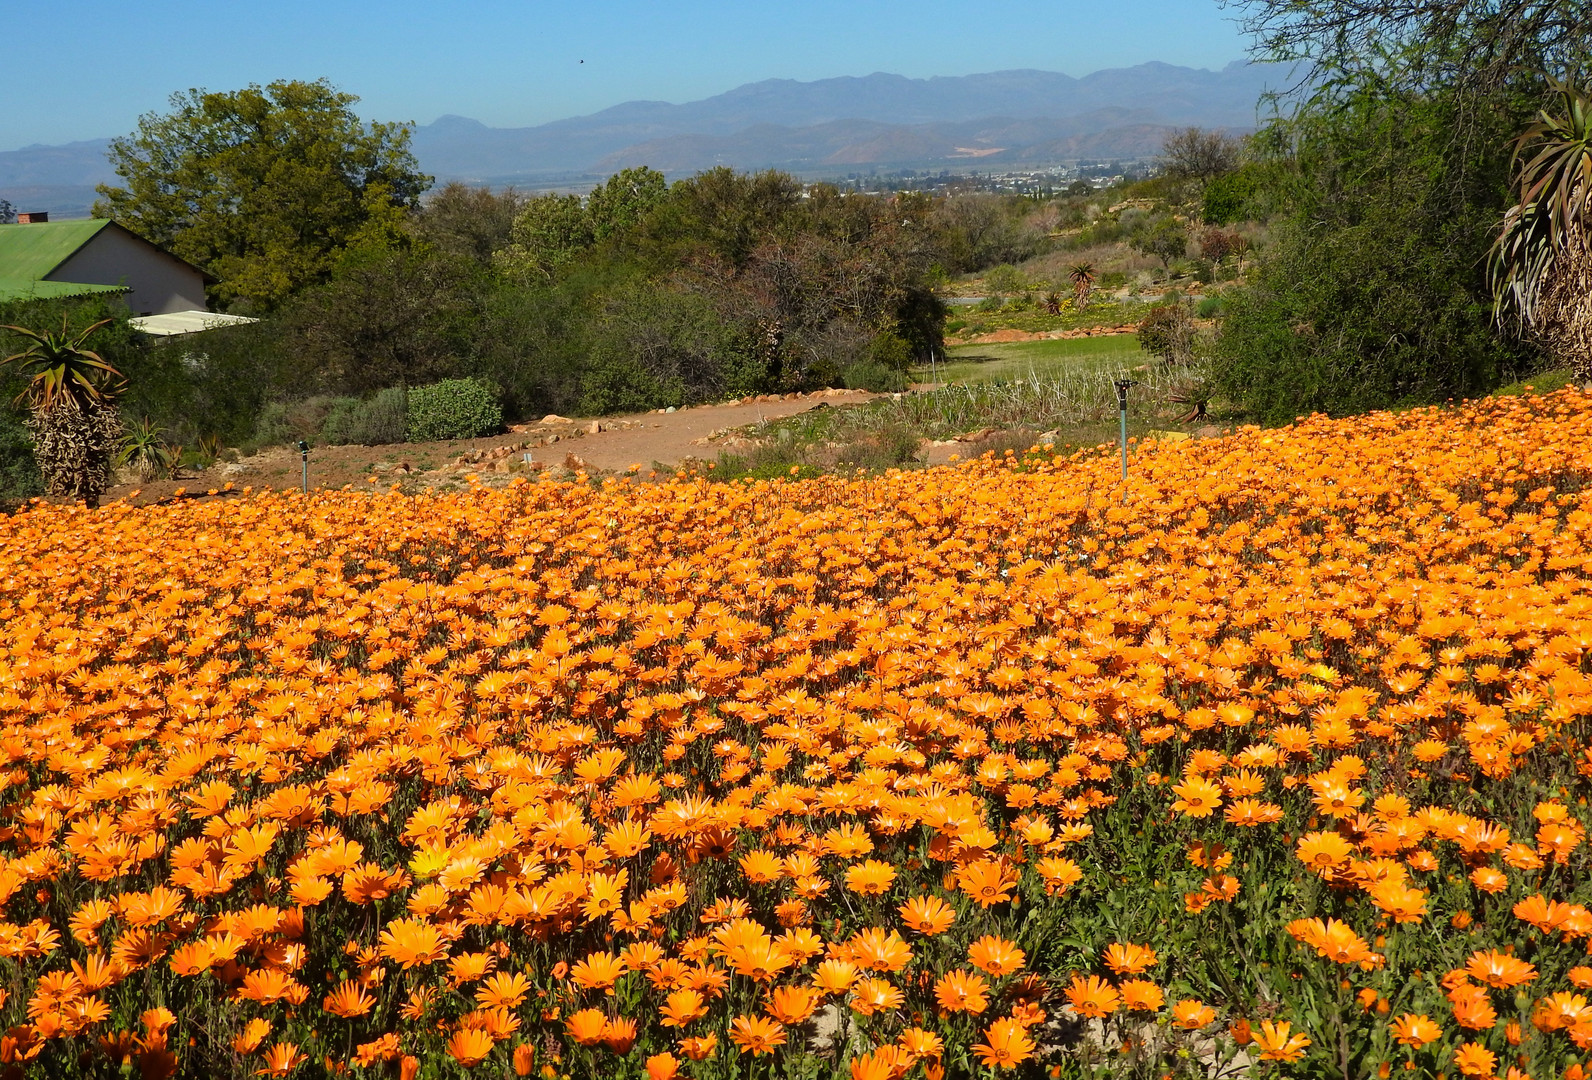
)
(559, 444)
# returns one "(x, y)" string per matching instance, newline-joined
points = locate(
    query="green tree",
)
(71, 396)
(1388, 165)
(473, 222)
(549, 232)
(1542, 269)
(386, 318)
(621, 202)
(725, 215)
(1165, 240)
(263, 187)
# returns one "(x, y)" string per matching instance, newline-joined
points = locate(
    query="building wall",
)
(159, 283)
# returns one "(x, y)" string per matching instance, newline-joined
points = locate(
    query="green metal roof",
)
(31, 252)
(12, 288)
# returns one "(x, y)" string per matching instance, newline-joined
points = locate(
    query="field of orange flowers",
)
(1274, 760)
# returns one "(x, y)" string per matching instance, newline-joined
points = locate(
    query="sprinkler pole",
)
(304, 453)
(1122, 414)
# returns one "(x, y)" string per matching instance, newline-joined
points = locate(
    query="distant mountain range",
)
(827, 127)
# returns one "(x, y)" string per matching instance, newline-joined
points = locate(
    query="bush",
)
(1006, 279)
(891, 446)
(1228, 198)
(1369, 316)
(875, 377)
(1167, 331)
(284, 422)
(1209, 307)
(452, 409)
(19, 473)
(380, 420)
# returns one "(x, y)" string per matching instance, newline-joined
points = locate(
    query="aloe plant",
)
(144, 450)
(71, 396)
(1542, 260)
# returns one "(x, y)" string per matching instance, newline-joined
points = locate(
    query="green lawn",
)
(1018, 359)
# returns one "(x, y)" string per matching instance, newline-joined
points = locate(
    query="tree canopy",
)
(1390, 160)
(263, 188)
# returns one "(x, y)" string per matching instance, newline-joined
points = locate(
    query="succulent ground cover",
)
(1281, 750)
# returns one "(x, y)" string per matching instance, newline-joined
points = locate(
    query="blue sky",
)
(513, 63)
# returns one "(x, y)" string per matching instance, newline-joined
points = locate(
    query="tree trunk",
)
(74, 445)
(1564, 320)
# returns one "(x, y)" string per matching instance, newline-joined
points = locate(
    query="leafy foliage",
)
(1542, 261)
(452, 409)
(383, 418)
(71, 395)
(19, 472)
(263, 187)
(1167, 332)
(1164, 239)
(1392, 166)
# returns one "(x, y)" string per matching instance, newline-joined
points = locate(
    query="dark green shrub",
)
(283, 422)
(453, 409)
(1228, 197)
(1366, 316)
(875, 377)
(1209, 307)
(376, 422)
(1006, 278)
(19, 473)
(1167, 331)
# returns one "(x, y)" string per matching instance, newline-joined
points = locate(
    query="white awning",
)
(184, 322)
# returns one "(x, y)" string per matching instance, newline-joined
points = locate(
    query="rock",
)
(671, 409)
(554, 418)
(573, 463)
(551, 439)
(594, 428)
(975, 436)
(733, 401)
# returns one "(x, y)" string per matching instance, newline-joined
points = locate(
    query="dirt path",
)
(608, 444)
(669, 438)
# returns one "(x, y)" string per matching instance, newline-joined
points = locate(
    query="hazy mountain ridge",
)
(842, 123)
(744, 126)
